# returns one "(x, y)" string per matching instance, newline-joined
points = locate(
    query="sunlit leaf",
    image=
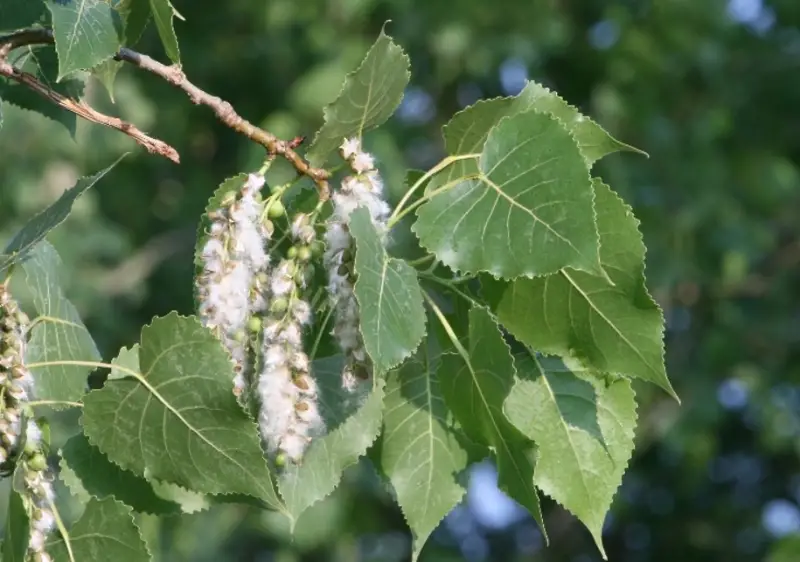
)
(584, 431)
(86, 33)
(422, 454)
(58, 334)
(368, 98)
(178, 420)
(610, 328)
(526, 212)
(163, 15)
(593, 140)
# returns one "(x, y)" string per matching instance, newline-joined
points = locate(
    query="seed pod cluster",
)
(362, 189)
(235, 263)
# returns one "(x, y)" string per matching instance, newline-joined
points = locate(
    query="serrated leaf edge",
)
(281, 508)
(348, 79)
(598, 539)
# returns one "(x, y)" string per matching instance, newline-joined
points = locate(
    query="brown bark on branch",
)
(175, 76)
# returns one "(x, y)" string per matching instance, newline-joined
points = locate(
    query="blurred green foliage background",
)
(711, 89)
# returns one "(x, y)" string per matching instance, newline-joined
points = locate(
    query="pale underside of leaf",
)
(610, 328)
(562, 411)
(421, 452)
(475, 388)
(58, 334)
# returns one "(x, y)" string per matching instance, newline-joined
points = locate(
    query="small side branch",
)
(175, 76)
(81, 109)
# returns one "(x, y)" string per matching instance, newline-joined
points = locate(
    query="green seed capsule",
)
(37, 462)
(240, 336)
(269, 227)
(280, 460)
(276, 210)
(304, 253)
(292, 253)
(254, 324)
(279, 305)
(317, 248)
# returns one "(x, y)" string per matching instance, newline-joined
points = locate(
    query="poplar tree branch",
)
(175, 76)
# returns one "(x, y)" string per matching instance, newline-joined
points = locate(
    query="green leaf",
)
(466, 133)
(105, 532)
(563, 412)
(58, 334)
(177, 420)
(352, 427)
(475, 386)
(368, 98)
(422, 454)
(16, 14)
(42, 62)
(106, 74)
(609, 328)
(15, 543)
(89, 473)
(40, 226)
(86, 33)
(163, 14)
(593, 140)
(389, 297)
(135, 16)
(527, 211)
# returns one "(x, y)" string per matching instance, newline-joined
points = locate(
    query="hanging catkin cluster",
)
(289, 416)
(235, 262)
(16, 380)
(17, 387)
(363, 189)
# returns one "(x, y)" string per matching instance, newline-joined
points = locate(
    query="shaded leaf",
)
(105, 532)
(475, 387)
(85, 32)
(39, 226)
(178, 420)
(15, 539)
(610, 328)
(527, 212)
(106, 74)
(89, 473)
(389, 297)
(368, 98)
(58, 334)
(163, 14)
(16, 14)
(421, 453)
(42, 62)
(353, 425)
(593, 140)
(135, 15)
(562, 412)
